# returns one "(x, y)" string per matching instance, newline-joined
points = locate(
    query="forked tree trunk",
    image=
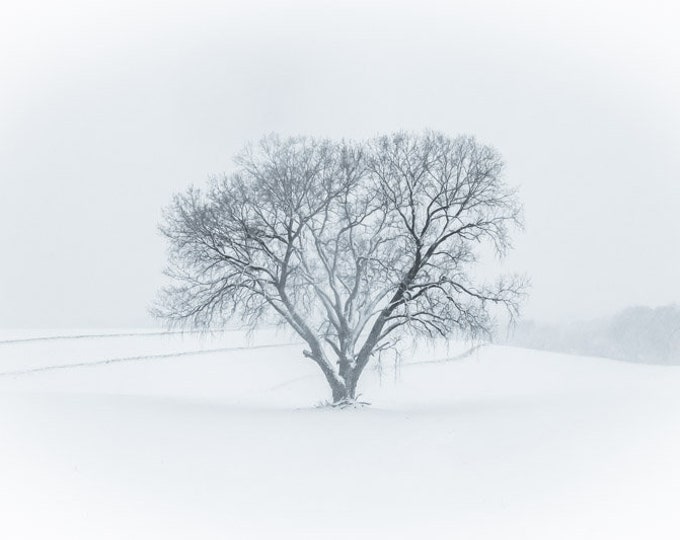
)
(340, 391)
(344, 384)
(341, 394)
(344, 390)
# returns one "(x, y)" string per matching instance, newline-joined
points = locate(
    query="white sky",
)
(107, 108)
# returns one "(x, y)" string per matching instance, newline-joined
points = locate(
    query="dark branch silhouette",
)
(349, 244)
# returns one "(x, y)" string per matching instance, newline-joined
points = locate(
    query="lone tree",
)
(350, 244)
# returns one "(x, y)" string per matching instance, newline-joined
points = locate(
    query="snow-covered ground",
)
(114, 437)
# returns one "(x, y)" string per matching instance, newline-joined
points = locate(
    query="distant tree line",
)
(636, 334)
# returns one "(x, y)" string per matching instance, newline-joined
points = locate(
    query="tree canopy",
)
(351, 244)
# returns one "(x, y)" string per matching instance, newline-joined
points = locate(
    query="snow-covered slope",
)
(116, 437)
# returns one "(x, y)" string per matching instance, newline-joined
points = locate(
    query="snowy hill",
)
(167, 436)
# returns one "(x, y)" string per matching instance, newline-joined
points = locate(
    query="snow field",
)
(504, 443)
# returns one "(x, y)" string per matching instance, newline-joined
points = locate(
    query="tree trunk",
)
(343, 385)
(343, 392)
(347, 392)
(341, 395)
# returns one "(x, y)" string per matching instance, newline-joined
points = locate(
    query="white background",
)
(107, 108)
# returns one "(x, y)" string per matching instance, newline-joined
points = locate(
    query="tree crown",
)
(351, 244)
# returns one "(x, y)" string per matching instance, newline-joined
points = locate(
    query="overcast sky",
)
(108, 108)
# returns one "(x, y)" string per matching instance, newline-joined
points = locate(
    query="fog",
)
(107, 109)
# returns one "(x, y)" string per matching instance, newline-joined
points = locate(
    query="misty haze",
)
(339, 269)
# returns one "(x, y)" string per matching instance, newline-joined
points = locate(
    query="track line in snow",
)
(460, 356)
(109, 361)
(289, 382)
(143, 357)
(100, 336)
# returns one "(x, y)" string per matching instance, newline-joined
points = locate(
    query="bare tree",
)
(349, 244)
